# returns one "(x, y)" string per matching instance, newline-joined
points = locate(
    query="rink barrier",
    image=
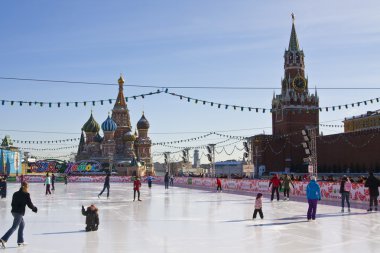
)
(329, 190)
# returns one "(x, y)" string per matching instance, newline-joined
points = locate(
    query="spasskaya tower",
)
(294, 108)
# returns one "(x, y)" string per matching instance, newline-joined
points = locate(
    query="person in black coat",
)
(52, 182)
(92, 218)
(106, 186)
(20, 200)
(166, 180)
(3, 187)
(373, 186)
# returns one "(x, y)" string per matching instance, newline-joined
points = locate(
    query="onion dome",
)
(109, 125)
(98, 138)
(91, 126)
(129, 136)
(143, 123)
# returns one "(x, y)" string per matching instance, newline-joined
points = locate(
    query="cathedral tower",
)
(143, 144)
(120, 115)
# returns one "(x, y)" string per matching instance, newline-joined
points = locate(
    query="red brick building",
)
(295, 109)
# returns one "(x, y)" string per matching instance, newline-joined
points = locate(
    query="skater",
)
(166, 180)
(373, 187)
(286, 185)
(22, 179)
(65, 179)
(52, 182)
(92, 218)
(275, 182)
(149, 179)
(136, 188)
(106, 186)
(219, 184)
(20, 199)
(313, 193)
(3, 187)
(47, 184)
(258, 206)
(171, 180)
(345, 188)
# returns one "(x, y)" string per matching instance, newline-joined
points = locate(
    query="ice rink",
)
(183, 220)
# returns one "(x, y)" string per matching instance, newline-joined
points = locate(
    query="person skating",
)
(171, 180)
(345, 188)
(3, 187)
(166, 180)
(92, 218)
(47, 184)
(313, 193)
(373, 187)
(136, 188)
(52, 182)
(275, 182)
(150, 180)
(287, 181)
(258, 206)
(20, 199)
(22, 179)
(218, 184)
(65, 179)
(106, 186)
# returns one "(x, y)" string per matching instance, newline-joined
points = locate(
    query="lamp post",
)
(211, 150)
(310, 146)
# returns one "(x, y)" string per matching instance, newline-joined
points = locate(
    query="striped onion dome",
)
(129, 136)
(91, 126)
(109, 125)
(143, 123)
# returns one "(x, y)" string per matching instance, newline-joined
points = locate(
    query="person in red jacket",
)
(218, 184)
(275, 182)
(136, 188)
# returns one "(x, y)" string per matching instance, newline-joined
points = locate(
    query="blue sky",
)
(179, 43)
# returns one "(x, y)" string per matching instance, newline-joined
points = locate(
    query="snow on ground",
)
(181, 220)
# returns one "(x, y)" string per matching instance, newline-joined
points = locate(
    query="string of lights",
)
(218, 105)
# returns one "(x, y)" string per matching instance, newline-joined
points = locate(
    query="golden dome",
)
(121, 80)
(128, 136)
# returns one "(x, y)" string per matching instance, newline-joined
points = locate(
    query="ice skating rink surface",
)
(180, 220)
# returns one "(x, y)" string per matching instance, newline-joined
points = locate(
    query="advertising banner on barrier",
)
(329, 190)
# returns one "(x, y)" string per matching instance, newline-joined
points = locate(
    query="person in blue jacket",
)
(313, 193)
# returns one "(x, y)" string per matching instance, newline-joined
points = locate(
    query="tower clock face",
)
(299, 84)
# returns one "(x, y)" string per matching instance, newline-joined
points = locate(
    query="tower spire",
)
(120, 101)
(293, 42)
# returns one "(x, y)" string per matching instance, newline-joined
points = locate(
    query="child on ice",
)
(258, 206)
(92, 218)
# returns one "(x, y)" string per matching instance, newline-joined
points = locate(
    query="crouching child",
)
(92, 218)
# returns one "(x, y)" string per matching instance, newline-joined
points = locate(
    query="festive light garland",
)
(157, 143)
(68, 103)
(334, 126)
(53, 157)
(259, 109)
(46, 142)
(45, 149)
(196, 100)
(183, 140)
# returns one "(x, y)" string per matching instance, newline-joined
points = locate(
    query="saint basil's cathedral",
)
(128, 152)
